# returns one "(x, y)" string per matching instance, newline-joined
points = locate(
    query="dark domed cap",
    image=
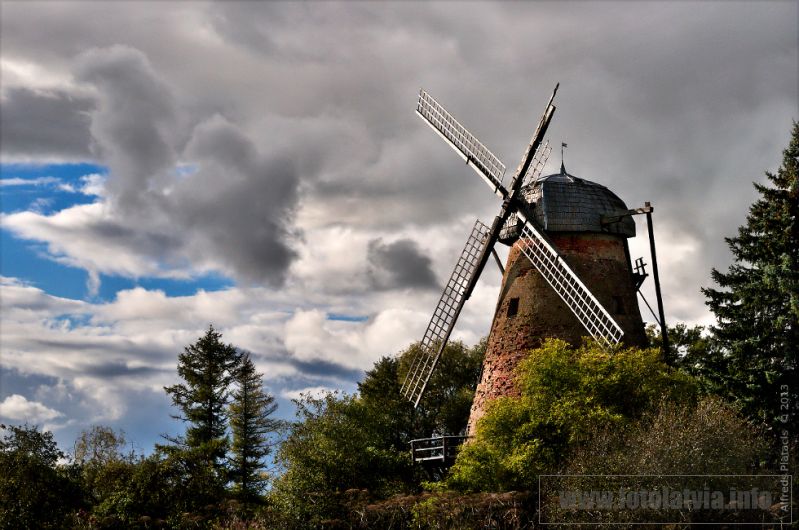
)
(565, 203)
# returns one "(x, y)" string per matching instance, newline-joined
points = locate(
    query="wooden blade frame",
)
(563, 280)
(449, 306)
(476, 155)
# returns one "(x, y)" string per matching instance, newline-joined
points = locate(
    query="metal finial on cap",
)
(562, 166)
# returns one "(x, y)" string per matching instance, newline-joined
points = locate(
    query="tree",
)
(447, 401)
(565, 394)
(332, 449)
(99, 445)
(344, 443)
(251, 426)
(207, 368)
(698, 445)
(756, 302)
(103, 467)
(35, 491)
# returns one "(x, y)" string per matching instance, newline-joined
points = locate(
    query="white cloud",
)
(93, 184)
(307, 149)
(312, 391)
(17, 407)
(38, 181)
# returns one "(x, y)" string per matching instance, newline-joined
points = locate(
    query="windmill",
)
(554, 225)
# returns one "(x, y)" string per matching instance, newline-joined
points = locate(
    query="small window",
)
(619, 303)
(513, 307)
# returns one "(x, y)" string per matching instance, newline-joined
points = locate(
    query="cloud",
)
(44, 125)
(398, 265)
(231, 214)
(312, 391)
(135, 126)
(297, 162)
(39, 181)
(17, 407)
(239, 204)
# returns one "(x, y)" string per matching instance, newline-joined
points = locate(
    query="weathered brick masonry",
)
(529, 310)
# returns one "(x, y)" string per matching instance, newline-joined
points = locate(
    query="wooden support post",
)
(655, 276)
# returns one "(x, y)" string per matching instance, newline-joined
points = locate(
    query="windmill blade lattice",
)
(483, 161)
(539, 161)
(445, 315)
(596, 320)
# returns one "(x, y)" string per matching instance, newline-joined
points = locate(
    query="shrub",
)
(566, 395)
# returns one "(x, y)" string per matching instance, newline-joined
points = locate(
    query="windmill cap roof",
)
(565, 203)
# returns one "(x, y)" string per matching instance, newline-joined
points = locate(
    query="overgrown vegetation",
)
(344, 443)
(727, 406)
(566, 394)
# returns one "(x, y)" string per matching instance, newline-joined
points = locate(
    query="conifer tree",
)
(756, 302)
(251, 425)
(207, 368)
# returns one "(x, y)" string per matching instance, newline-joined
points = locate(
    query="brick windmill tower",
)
(568, 273)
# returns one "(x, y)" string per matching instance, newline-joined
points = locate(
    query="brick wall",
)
(601, 262)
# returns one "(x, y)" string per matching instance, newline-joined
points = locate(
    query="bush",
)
(566, 395)
(680, 446)
(35, 490)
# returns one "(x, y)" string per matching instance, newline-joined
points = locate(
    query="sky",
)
(259, 166)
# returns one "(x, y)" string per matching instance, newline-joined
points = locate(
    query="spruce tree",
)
(756, 302)
(251, 425)
(207, 368)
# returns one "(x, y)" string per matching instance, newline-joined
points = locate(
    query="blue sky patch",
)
(347, 318)
(47, 189)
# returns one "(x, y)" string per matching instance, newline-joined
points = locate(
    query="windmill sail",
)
(445, 315)
(535, 142)
(539, 161)
(483, 161)
(535, 247)
(596, 320)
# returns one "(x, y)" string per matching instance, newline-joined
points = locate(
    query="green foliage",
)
(708, 437)
(756, 302)
(332, 449)
(98, 446)
(679, 446)
(252, 427)
(566, 394)
(207, 368)
(445, 405)
(35, 491)
(104, 468)
(687, 345)
(197, 460)
(695, 352)
(346, 443)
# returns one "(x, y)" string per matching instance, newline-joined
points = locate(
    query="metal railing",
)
(438, 449)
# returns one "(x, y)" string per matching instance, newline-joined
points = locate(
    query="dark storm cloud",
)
(97, 346)
(241, 203)
(120, 369)
(135, 126)
(46, 125)
(233, 211)
(325, 369)
(399, 265)
(680, 104)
